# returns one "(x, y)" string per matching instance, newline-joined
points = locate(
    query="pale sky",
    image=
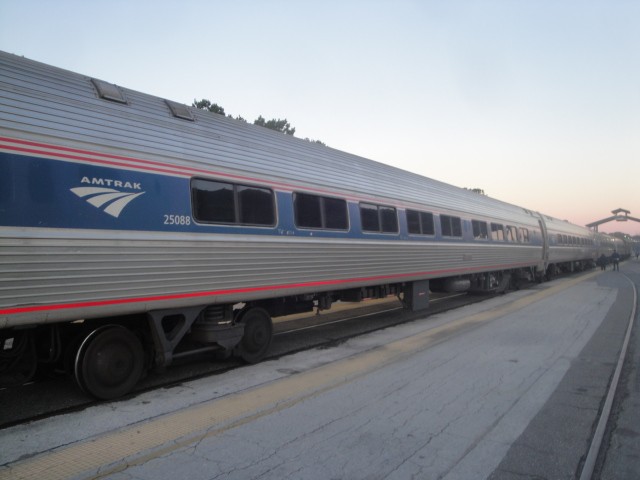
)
(537, 102)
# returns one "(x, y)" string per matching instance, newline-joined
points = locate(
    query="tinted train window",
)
(213, 201)
(511, 234)
(497, 231)
(420, 223)
(451, 226)
(255, 205)
(413, 221)
(525, 235)
(313, 211)
(388, 219)
(378, 218)
(308, 212)
(335, 210)
(369, 216)
(221, 202)
(480, 231)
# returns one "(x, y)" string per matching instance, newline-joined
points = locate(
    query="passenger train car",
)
(135, 230)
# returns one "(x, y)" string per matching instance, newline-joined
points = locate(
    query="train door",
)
(544, 261)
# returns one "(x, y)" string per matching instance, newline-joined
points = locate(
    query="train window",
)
(420, 223)
(369, 217)
(388, 219)
(511, 234)
(413, 221)
(497, 232)
(255, 205)
(451, 226)
(335, 213)
(426, 222)
(480, 231)
(213, 201)
(378, 218)
(308, 212)
(524, 233)
(221, 202)
(313, 211)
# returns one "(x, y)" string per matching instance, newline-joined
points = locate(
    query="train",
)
(136, 230)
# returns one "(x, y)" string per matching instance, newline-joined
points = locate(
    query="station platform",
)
(507, 388)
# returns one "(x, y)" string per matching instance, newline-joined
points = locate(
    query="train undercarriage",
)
(107, 357)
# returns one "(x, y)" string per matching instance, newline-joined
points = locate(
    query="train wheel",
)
(109, 362)
(256, 340)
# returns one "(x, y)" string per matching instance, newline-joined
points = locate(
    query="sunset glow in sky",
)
(535, 102)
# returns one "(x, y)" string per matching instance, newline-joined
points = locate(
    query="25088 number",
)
(177, 220)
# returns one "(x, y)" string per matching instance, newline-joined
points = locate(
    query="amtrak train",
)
(135, 230)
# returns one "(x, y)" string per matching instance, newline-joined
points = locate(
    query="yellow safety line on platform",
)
(137, 444)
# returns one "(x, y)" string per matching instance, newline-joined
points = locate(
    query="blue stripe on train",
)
(46, 193)
(40, 192)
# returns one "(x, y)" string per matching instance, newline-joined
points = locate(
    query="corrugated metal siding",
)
(55, 271)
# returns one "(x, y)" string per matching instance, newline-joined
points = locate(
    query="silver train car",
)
(135, 230)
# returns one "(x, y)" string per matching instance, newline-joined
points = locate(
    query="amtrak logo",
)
(109, 200)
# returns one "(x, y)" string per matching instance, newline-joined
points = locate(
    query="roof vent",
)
(109, 91)
(179, 110)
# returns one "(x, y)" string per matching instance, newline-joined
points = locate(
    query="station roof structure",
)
(619, 215)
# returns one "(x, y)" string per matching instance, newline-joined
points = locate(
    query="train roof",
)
(62, 107)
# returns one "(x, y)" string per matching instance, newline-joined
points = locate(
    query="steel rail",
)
(596, 442)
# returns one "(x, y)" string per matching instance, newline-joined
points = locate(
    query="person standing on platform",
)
(602, 261)
(615, 259)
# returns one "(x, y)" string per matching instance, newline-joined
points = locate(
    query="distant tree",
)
(277, 125)
(315, 141)
(205, 104)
